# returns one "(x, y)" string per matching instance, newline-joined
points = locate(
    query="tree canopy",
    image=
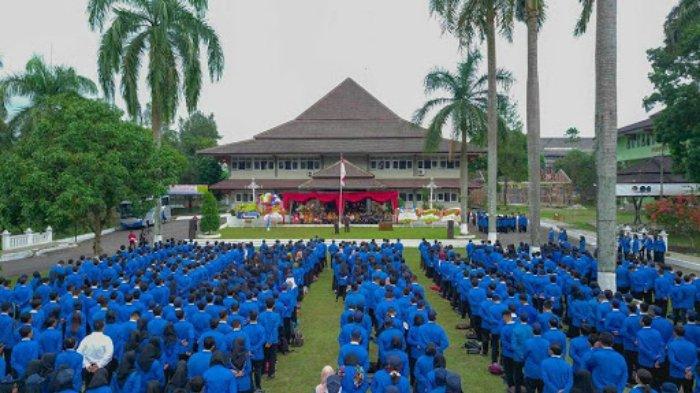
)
(76, 164)
(197, 132)
(675, 74)
(581, 168)
(37, 83)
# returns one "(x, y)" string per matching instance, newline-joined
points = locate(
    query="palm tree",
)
(38, 82)
(470, 20)
(605, 128)
(532, 13)
(464, 106)
(171, 34)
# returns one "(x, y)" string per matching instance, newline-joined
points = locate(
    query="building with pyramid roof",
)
(382, 152)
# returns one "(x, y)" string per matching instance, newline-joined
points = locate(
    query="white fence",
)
(28, 239)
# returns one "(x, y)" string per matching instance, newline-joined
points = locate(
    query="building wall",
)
(637, 146)
(398, 166)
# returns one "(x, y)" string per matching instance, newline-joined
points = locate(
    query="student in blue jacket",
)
(644, 380)
(355, 348)
(651, 349)
(25, 351)
(682, 358)
(99, 383)
(536, 351)
(199, 362)
(218, 378)
(271, 322)
(71, 359)
(608, 368)
(557, 375)
(256, 341)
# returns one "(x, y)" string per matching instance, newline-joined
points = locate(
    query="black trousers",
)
(518, 377)
(495, 342)
(509, 370)
(663, 304)
(533, 385)
(631, 360)
(485, 339)
(257, 372)
(270, 359)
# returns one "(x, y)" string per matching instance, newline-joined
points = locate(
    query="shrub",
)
(210, 214)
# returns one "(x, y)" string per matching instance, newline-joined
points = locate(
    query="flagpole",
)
(340, 206)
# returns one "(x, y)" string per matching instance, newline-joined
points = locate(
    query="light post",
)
(431, 186)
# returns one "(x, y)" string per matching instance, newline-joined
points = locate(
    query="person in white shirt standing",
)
(97, 350)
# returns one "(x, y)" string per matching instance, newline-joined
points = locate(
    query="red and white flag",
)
(342, 173)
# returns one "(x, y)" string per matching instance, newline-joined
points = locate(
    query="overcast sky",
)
(282, 55)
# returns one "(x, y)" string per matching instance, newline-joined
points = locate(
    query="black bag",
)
(473, 347)
(297, 338)
(333, 384)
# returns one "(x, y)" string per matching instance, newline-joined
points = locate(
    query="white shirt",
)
(96, 348)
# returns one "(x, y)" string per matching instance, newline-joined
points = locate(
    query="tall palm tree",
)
(470, 20)
(38, 82)
(532, 13)
(171, 34)
(464, 106)
(605, 128)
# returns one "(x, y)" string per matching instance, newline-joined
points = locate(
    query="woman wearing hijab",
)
(218, 378)
(75, 326)
(99, 382)
(583, 382)
(172, 349)
(242, 366)
(354, 378)
(126, 379)
(149, 366)
(326, 372)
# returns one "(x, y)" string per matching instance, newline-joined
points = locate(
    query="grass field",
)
(319, 319)
(328, 233)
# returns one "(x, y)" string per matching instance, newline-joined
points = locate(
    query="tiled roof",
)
(649, 171)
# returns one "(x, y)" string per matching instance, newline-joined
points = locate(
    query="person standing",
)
(682, 358)
(557, 374)
(271, 322)
(97, 350)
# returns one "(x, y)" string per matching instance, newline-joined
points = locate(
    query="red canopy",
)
(348, 196)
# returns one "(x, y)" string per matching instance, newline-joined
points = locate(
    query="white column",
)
(49, 234)
(6, 239)
(30, 236)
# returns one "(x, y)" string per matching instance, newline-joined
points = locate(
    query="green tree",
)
(80, 160)
(675, 75)
(171, 34)
(195, 133)
(210, 214)
(605, 129)
(572, 134)
(478, 20)
(38, 83)
(463, 106)
(581, 169)
(512, 146)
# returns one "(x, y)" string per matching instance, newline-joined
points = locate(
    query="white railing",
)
(26, 240)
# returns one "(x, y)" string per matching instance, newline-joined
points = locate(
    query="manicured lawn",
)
(285, 232)
(319, 318)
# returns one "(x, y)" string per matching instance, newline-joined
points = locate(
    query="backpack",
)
(453, 383)
(473, 347)
(297, 338)
(495, 369)
(333, 384)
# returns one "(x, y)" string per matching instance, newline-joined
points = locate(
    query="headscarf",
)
(239, 354)
(149, 354)
(583, 382)
(99, 379)
(126, 367)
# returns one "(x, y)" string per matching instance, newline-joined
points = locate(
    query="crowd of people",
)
(504, 223)
(385, 306)
(176, 316)
(532, 311)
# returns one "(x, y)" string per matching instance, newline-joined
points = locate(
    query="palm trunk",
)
(155, 128)
(96, 226)
(464, 183)
(533, 125)
(606, 135)
(492, 159)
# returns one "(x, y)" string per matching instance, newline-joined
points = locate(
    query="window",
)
(244, 197)
(240, 164)
(419, 197)
(399, 163)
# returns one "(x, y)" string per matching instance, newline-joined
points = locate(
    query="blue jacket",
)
(557, 375)
(219, 379)
(579, 347)
(24, 352)
(256, 339)
(432, 332)
(521, 333)
(50, 341)
(271, 322)
(423, 366)
(198, 363)
(131, 384)
(74, 361)
(556, 336)
(382, 379)
(507, 339)
(608, 368)
(536, 350)
(651, 347)
(155, 373)
(682, 354)
(358, 351)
